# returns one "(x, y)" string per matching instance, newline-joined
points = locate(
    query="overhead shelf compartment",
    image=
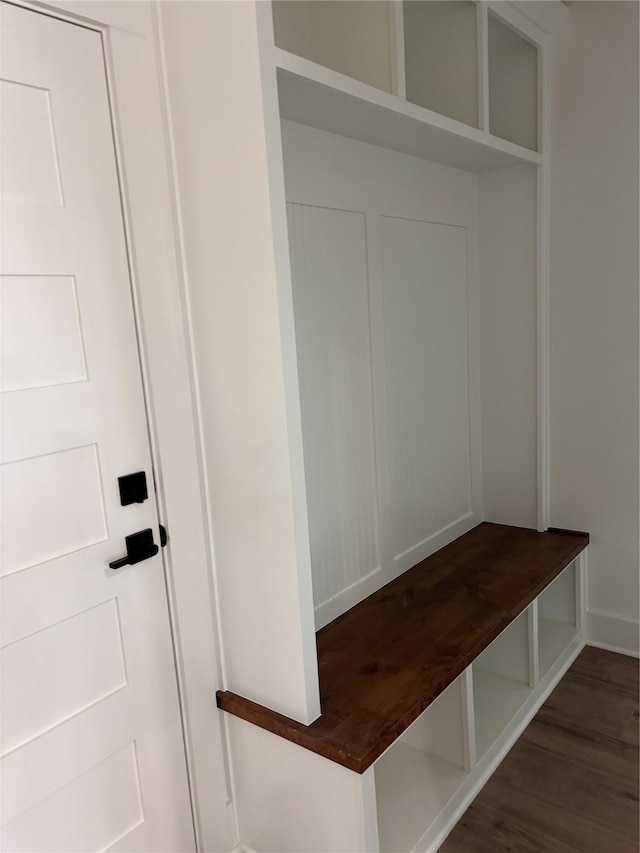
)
(441, 57)
(350, 36)
(513, 85)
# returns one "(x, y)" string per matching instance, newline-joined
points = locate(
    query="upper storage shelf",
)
(513, 85)
(441, 57)
(382, 663)
(316, 96)
(349, 36)
(445, 80)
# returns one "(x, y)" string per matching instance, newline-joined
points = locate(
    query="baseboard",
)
(347, 598)
(352, 595)
(613, 633)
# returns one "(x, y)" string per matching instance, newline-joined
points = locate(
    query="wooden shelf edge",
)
(285, 727)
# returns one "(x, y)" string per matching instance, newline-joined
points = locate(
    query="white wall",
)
(594, 305)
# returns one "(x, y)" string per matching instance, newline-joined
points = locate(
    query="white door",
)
(91, 741)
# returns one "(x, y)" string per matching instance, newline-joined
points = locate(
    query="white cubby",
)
(349, 36)
(441, 57)
(501, 682)
(558, 623)
(513, 85)
(420, 773)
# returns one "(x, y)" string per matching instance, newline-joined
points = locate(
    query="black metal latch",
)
(140, 546)
(133, 488)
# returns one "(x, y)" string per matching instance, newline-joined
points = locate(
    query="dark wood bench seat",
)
(385, 660)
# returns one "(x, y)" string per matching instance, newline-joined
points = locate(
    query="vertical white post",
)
(544, 192)
(581, 594)
(396, 45)
(483, 66)
(534, 655)
(468, 720)
(370, 811)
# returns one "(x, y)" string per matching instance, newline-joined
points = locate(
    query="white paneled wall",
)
(384, 269)
(331, 301)
(424, 276)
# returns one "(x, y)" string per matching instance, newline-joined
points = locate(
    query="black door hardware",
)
(133, 488)
(140, 546)
(163, 535)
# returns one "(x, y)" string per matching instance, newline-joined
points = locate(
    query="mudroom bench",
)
(424, 687)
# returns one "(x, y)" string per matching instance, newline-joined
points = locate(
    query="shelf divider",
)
(396, 39)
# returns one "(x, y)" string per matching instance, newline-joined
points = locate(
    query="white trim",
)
(396, 52)
(482, 18)
(165, 351)
(543, 284)
(534, 656)
(347, 598)
(615, 633)
(616, 649)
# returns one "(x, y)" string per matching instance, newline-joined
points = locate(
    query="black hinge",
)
(163, 536)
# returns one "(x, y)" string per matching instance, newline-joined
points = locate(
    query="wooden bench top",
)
(385, 660)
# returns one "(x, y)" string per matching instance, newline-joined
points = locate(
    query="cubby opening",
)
(557, 618)
(501, 682)
(420, 773)
(441, 57)
(513, 85)
(349, 36)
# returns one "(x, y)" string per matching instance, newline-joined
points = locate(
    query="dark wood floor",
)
(570, 783)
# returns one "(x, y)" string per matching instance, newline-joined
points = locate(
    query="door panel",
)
(92, 747)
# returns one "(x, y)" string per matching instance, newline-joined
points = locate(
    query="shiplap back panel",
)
(424, 274)
(331, 304)
(384, 272)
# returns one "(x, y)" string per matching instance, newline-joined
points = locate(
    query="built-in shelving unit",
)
(416, 77)
(409, 195)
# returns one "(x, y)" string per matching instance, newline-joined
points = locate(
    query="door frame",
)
(161, 308)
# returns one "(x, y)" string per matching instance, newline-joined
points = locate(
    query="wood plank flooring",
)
(570, 783)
